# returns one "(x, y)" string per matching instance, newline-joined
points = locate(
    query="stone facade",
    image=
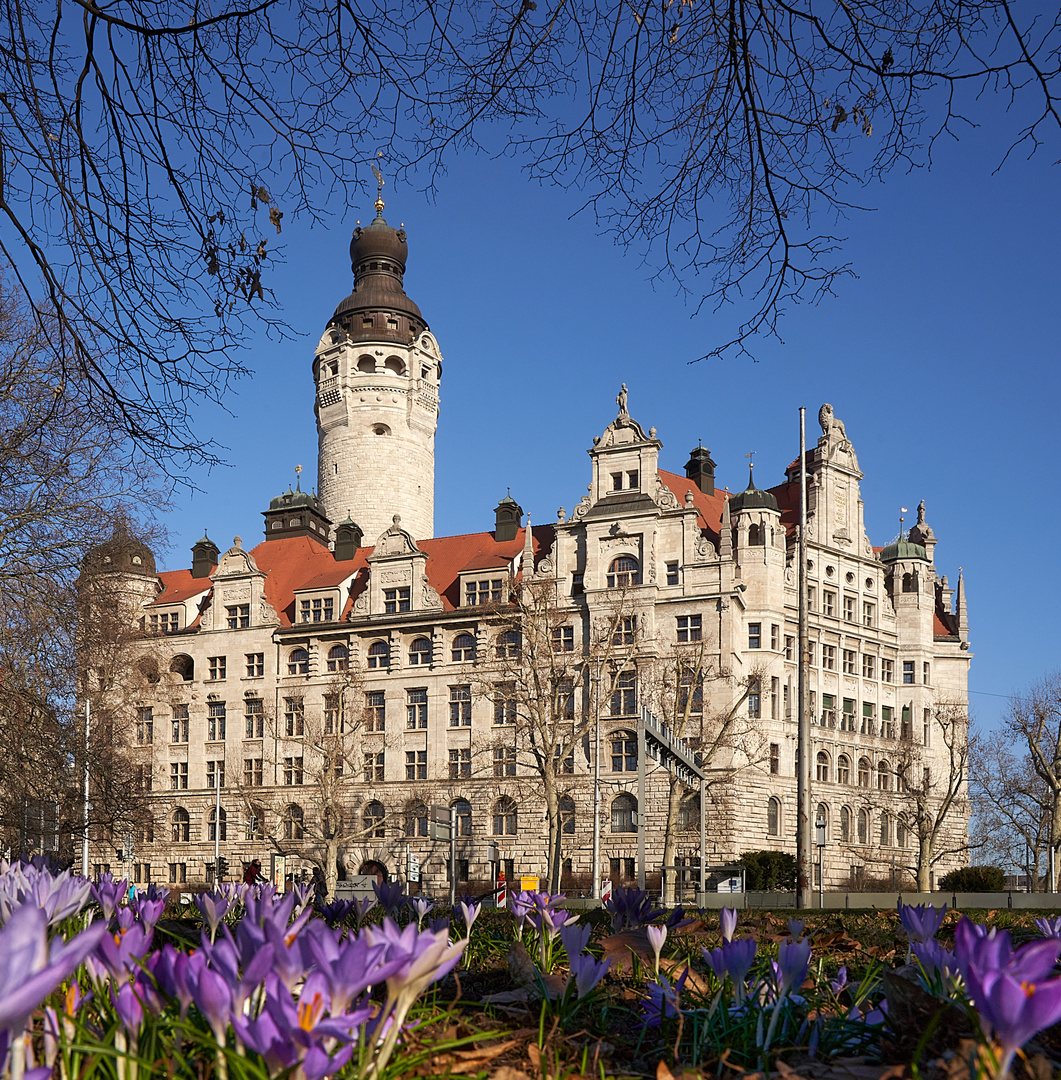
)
(345, 689)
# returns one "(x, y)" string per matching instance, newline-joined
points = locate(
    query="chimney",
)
(701, 470)
(204, 556)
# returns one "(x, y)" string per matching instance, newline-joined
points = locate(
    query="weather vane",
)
(750, 455)
(298, 477)
(379, 184)
(902, 511)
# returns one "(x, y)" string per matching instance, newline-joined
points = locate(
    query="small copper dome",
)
(122, 553)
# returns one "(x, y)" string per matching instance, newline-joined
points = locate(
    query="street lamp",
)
(819, 839)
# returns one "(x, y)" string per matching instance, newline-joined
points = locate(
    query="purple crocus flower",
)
(109, 894)
(469, 912)
(351, 968)
(793, 959)
(390, 897)
(663, 1000)
(837, 985)
(212, 909)
(122, 954)
(1049, 927)
(128, 1004)
(213, 998)
(421, 906)
(921, 922)
(575, 938)
(1015, 1011)
(735, 959)
(657, 935)
(587, 972)
(28, 971)
(728, 922)
(224, 956)
(935, 960)
(795, 929)
(58, 895)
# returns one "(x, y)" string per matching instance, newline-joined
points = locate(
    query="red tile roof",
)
(179, 585)
(709, 507)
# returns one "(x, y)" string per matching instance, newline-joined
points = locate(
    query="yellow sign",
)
(528, 884)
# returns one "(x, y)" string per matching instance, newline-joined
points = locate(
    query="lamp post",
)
(595, 892)
(87, 805)
(819, 830)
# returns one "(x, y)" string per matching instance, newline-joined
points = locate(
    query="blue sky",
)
(941, 357)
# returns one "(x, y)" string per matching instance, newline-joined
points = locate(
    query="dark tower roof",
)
(122, 552)
(378, 309)
(752, 498)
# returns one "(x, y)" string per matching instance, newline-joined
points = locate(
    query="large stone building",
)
(350, 670)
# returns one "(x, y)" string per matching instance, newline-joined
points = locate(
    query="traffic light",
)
(222, 868)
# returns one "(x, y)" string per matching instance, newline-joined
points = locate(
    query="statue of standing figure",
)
(620, 400)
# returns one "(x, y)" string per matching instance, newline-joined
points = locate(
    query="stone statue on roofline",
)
(620, 400)
(834, 440)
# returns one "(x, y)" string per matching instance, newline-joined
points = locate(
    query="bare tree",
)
(1034, 720)
(932, 789)
(1011, 807)
(151, 158)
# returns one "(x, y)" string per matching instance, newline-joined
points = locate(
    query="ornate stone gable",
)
(238, 583)
(398, 576)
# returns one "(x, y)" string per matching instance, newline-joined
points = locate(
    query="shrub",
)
(974, 879)
(768, 870)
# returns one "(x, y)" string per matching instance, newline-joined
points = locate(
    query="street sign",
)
(413, 873)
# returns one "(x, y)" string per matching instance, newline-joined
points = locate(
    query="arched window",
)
(182, 826)
(863, 827)
(885, 829)
(909, 583)
(845, 825)
(505, 817)
(379, 655)
(624, 751)
(755, 534)
(372, 820)
(367, 364)
(863, 772)
(254, 824)
(420, 652)
(463, 647)
(509, 644)
(773, 817)
(843, 769)
(821, 813)
(689, 814)
(900, 833)
(623, 572)
(624, 813)
(463, 810)
(822, 772)
(338, 658)
(293, 822)
(394, 365)
(184, 666)
(298, 662)
(884, 777)
(212, 824)
(148, 668)
(567, 815)
(416, 820)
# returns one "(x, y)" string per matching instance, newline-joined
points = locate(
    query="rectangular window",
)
(790, 647)
(504, 761)
(293, 771)
(321, 609)
(218, 666)
(239, 616)
(847, 720)
(294, 717)
(633, 481)
(178, 775)
(255, 665)
(460, 706)
(755, 635)
(828, 658)
(416, 708)
(624, 694)
(869, 666)
(460, 764)
(253, 774)
(849, 609)
(477, 593)
(625, 630)
(690, 628)
(828, 602)
(165, 623)
(926, 673)
(672, 573)
(178, 873)
(374, 767)
(812, 597)
(254, 718)
(869, 718)
(754, 702)
(775, 636)
(906, 728)
(395, 600)
(850, 660)
(828, 710)
(563, 766)
(334, 721)
(617, 481)
(415, 764)
(563, 639)
(143, 777)
(578, 586)
(927, 726)
(775, 687)
(505, 704)
(180, 724)
(690, 699)
(216, 721)
(145, 726)
(869, 613)
(375, 711)
(908, 671)
(887, 729)
(785, 702)
(215, 774)
(564, 699)
(887, 670)
(142, 873)
(811, 658)
(775, 758)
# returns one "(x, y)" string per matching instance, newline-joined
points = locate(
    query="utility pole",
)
(803, 840)
(595, 892)
(86, 806)
(217, 824)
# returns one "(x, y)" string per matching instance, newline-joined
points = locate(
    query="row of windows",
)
(892, 830)
(849, 603)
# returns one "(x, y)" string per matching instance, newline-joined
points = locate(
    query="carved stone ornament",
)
(395, 541)
(361, 603)
(429, 597)
(235, 562)
(705, 549)
(665, 497)
(582, 509)
(545, 567)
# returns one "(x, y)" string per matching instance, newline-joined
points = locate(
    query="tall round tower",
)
(377, 370)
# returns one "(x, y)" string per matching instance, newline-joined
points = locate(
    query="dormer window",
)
(633, 480)
(319, 609)
(617, 481)
(164, 623)
(477, 593)
(623, 572)
(396, 600)
(238, 615)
